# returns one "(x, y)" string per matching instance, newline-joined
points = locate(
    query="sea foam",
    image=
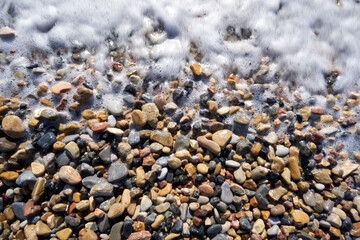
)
(304, 40)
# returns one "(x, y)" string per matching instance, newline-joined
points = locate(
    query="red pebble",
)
(144, 152)
(117, 67)
(30, 209)
(61, 106)
(99, 127)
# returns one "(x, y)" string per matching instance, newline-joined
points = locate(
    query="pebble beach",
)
(98, 143)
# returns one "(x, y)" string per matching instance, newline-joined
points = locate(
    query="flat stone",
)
(30, 209)
(9, 176)
(37, 169)
(206, 190)
(277, 210)
(64, 234)
(213, 230)
(299, 217)
(26, 178)
(103, 189)
(145, 204)
(117, 171)
(242, 120)
(258, 226)
(162, 137)
(202, 168)
(151, 113)
(222, 137)
(116, 229)
(281, 151)
(18, 209)
(38, 189)
(42, 229)
(182, 143)
(61, 88)
(142, 235)
(322, 176)
(46, 141)
(226, 193)
(69, 175)
(115, 108)
(138, 117)
(13, 126)
(6, 145)
(6, 32)
(240, 176)
(116, 210)
(209, 144)
(293, 165)
(72, 149)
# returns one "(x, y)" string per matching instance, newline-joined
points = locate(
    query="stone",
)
(103, 189)
(322, 176)
(115, 232)
(293, 165)
(206, 190)
(182, 143)
(46, 141)
(258, 226)
(145, 204)
(240, 176)
(158, 220)
(277, 210)
(281, 151)
(213, 230)
(9, 176)
(142, 235)
(273, 231)
(174, 162)
(115, 108)
(37, 169)
(42, 230)
(30, 209)
(161, 208)
(242, 120)
(138, 118)
(99, 127)
(61, 88)
(18, 209)
(162, 137)
(6, 145)
(226, 193)
(38, 189)
(69, 175)
(209, 144)
(25, 178)
(116, 210)
(6, 32)
(299, 217)
(334, 220)
(64, 234)
(196, 69)
(30, 232)
(117, 171)
(222, 137)
(151, 113)
(166, 190)
(202, 168)
(13, 126)
(72, 150)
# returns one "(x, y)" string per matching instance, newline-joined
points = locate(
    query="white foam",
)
(304, 39)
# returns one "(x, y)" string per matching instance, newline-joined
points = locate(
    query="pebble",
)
(103, 189)
(299, 217)
(13, 126)
(226, 194)
(281, 151)
(222, 137)
(25, 178)
(69, 175)
(6, 32)
(117, 172)
(61, 88)
(72, 150)
(145, 204)
(162, 137)
(209, 145)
